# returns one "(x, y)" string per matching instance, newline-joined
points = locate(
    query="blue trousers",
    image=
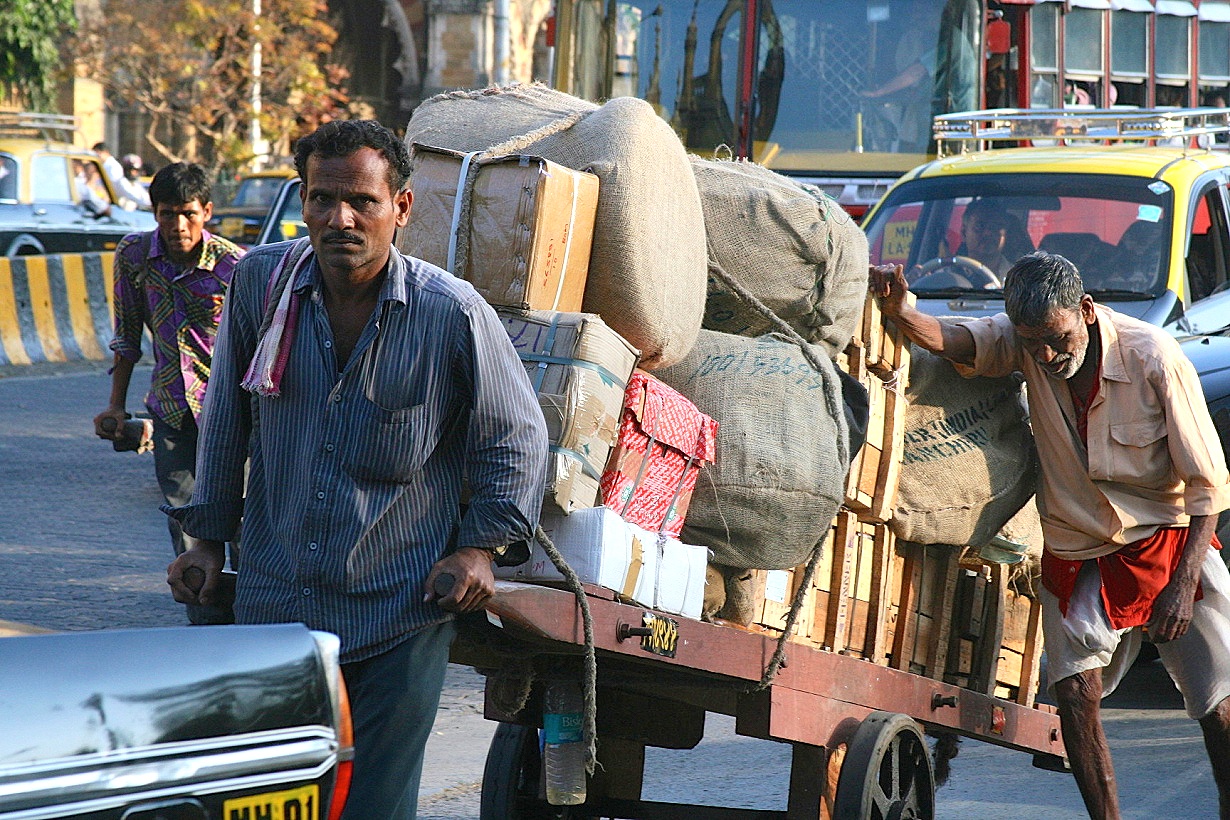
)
(393, 702)
(175, 469)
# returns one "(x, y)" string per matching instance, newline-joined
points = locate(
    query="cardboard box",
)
(579, 367)
(663, 442)
(530, 226)
(652, 570)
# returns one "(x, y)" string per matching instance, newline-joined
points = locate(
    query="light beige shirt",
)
(1153, 458)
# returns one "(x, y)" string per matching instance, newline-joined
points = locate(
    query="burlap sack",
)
(969, 462)
(1025, 528)
(649, 264)
(794, 248)
(779, 476)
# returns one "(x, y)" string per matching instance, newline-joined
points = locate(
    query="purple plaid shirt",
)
(181, 307)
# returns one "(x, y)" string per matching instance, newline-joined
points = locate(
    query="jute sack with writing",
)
(779, 475)
(969, 462)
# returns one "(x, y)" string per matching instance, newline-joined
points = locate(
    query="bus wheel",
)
(886, 774)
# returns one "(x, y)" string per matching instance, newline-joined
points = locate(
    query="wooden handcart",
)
(856, 727)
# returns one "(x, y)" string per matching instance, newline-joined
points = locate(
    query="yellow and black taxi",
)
(1137, 199)
(54, 196)
(242, 219)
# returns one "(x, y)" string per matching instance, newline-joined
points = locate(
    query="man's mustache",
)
(343, 236)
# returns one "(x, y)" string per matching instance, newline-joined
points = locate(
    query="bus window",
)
(1174, 56)
(1214, 74)
(1044, 56)
(683, 58)
(1082, 56)
(1129, 57)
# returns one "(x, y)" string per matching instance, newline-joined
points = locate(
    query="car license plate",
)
(663, 637)
(294, 804)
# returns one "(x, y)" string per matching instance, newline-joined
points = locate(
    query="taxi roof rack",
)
(973, 130)
(53, 127)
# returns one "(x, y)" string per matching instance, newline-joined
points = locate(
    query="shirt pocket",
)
(1139, 452)
(391, 445)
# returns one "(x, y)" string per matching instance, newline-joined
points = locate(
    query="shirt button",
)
(320, 495)
(328, 344)
(1071, 570)
(329, 447)
(307, 591)
(313, 545)
(337, 397)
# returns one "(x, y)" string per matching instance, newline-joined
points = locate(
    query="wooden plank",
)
(891, 453)
(990, 645)
(950, 566)
(1031, 660)
(844, 548)
(808, 783)
(876, 637)
(621, 773)
(907, 612)
(872, 332)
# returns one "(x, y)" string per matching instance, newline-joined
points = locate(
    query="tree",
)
(186, 64)
(30, 33)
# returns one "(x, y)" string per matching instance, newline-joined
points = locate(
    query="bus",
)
(841, 93)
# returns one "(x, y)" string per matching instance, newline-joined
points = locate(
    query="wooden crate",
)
(919, 608)
(879, 359)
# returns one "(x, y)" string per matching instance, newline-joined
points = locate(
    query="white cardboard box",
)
(652, 570)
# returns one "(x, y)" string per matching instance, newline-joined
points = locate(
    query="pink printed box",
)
(663, 442)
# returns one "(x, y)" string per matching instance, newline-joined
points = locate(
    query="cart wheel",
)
(511, 779)
(887, 772)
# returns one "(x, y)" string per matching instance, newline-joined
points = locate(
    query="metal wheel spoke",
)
(896, 751)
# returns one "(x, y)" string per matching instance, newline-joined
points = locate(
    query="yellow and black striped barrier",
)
(55, 308)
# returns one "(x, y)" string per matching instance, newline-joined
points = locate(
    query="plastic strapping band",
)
(544, 360)
(657, 576)
(563, 268)
(573, 454)
(457, 201)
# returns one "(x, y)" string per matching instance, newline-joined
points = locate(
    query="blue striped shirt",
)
(356, 476)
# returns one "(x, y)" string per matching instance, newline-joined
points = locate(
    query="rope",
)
(832, 396)
(511, 683)
(589, 682)
(796, 605)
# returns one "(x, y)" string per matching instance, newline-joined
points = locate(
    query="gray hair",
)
(1038, 285)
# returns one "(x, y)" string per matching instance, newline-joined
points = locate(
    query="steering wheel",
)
(978, 273)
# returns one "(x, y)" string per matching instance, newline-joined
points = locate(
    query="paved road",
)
(83, 546)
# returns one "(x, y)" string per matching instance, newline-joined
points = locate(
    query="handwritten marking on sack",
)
(954, 435)
(759, 365)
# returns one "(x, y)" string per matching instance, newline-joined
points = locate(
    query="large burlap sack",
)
(781, 448)
(648, 266)
(969, 462)
(794, 248)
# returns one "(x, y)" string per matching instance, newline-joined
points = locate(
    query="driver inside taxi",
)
(979, 261)
(984, 230)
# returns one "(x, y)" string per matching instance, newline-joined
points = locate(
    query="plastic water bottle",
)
(563, 743)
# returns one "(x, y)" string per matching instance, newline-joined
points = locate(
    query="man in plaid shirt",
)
(172, 280)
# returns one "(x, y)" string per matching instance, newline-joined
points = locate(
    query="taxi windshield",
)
(257, 192)
(960, 235)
